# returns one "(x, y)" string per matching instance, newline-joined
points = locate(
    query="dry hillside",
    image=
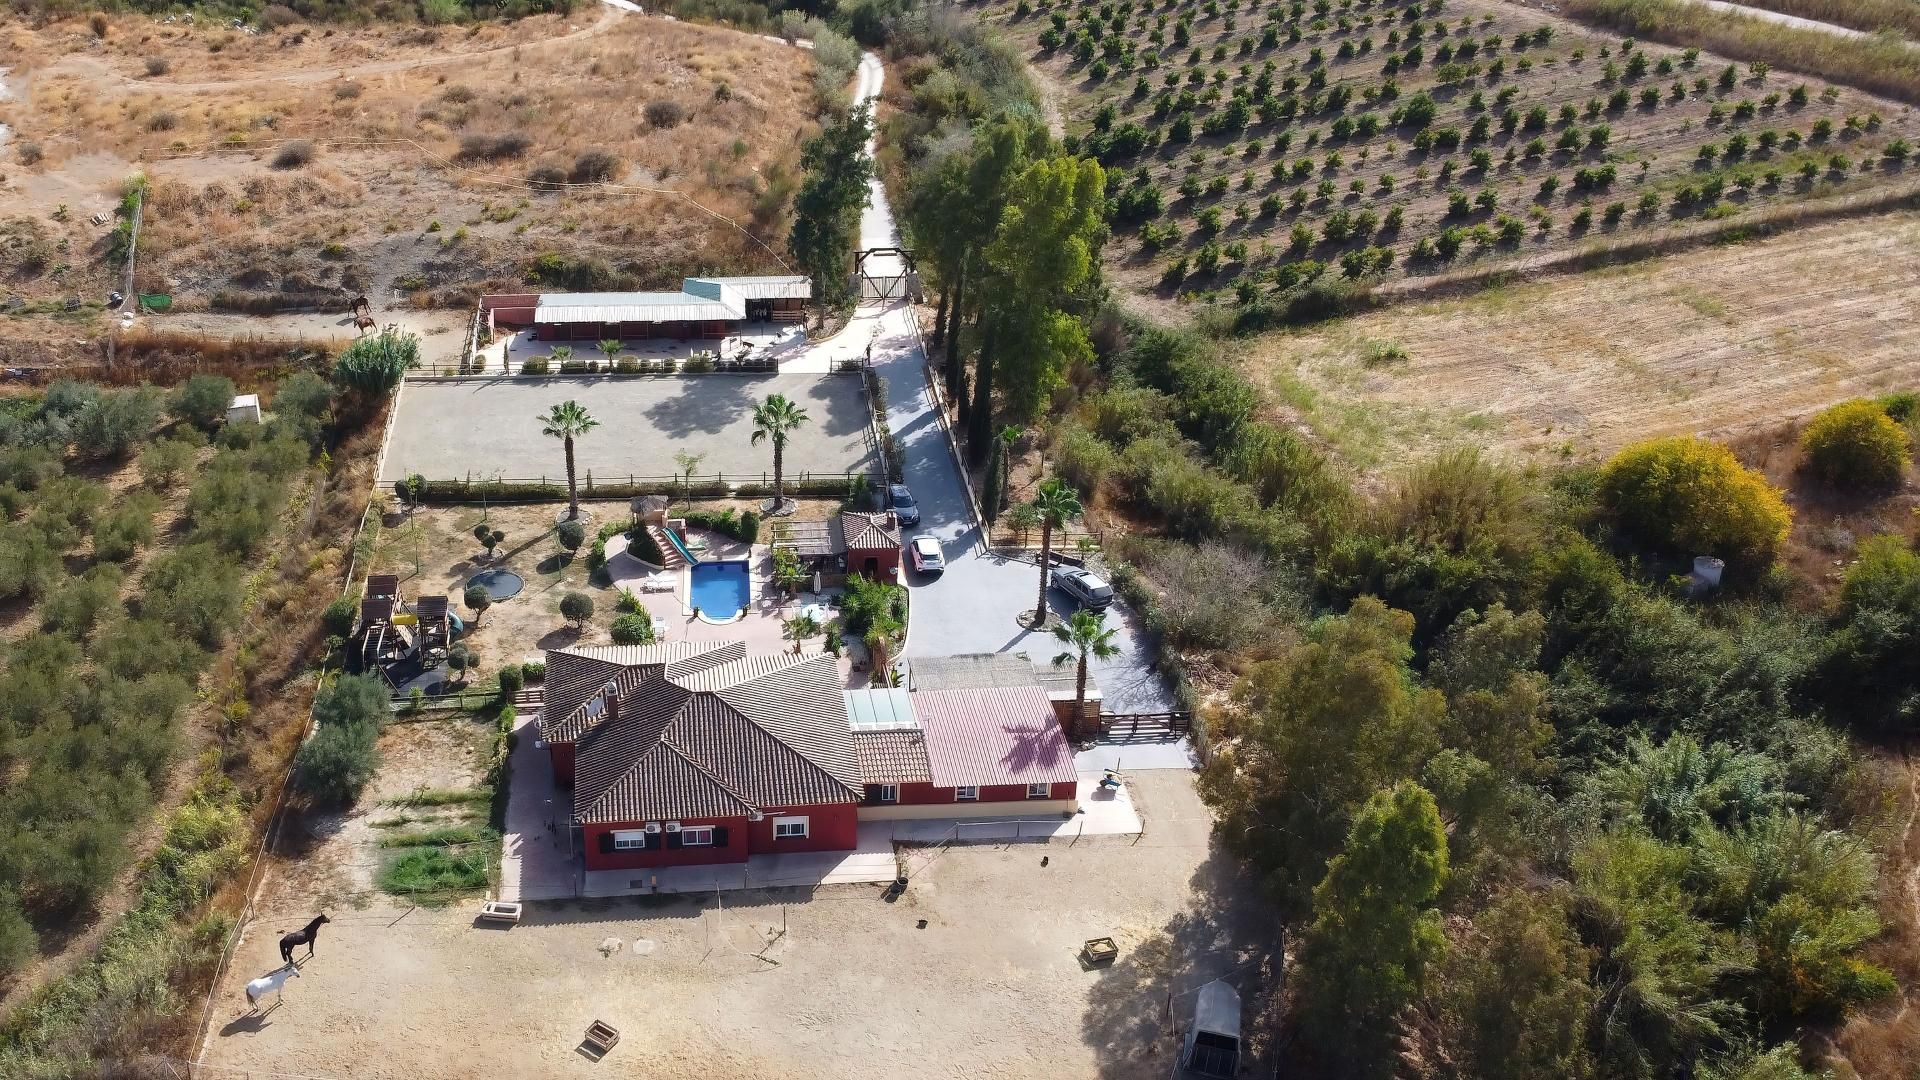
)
(402, 162)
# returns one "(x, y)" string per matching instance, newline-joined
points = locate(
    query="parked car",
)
(927, 557)
(900, 501)
(1083, 585)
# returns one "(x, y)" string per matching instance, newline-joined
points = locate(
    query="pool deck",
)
(760, 628)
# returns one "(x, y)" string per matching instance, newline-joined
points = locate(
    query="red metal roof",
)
(976, 738)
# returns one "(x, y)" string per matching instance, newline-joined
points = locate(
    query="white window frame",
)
(967, 793)
(629, 839)
(1039, 791)
(806, 828)
(889, 793)
(689, 832)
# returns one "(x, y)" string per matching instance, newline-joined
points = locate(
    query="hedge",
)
(533, 491)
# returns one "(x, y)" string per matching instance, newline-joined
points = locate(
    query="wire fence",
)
(805, 484)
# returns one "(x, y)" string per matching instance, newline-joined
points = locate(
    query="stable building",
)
(705, 308)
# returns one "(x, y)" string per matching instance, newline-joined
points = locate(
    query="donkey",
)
(304, 936)
(274, 981)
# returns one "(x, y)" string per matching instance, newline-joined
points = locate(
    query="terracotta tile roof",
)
(576, 676)
(892, 757)
(998, 736)
(867, 532)
(718, 740)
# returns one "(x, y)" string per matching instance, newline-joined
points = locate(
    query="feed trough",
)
(500, 584)
(1100, 950)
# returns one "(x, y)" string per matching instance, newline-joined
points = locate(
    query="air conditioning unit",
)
(673, 826)
(756, 816)
(653, 826)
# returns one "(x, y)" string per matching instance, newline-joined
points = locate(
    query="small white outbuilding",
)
(244, 407)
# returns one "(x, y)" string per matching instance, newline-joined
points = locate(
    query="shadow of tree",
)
(1142, 1004)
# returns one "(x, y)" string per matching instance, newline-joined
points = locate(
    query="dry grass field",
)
(1276, 137)
(400, 162)
(1718, 340)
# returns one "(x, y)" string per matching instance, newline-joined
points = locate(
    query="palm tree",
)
(1008, 436)
(1086, 634)
(798, 629)
(560, 354)
(610, 348)
(1057, 503)
(773, 419)
(565, 422)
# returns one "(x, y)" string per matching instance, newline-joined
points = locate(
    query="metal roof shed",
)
(1213, 1042)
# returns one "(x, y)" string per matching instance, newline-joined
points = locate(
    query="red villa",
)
(695, 752)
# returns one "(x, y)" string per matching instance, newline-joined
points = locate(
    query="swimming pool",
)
(719, 589)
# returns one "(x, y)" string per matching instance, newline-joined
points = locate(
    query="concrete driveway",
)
(972, 607)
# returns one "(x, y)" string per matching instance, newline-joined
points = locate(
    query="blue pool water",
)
(719, 589)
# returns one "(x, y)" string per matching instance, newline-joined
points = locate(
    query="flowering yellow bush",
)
(1691, 497)
(1856, 445)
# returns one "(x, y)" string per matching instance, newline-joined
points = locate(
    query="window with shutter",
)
(719, 836)
(673, 840)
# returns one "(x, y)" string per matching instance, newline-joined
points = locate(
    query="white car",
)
(927, 557)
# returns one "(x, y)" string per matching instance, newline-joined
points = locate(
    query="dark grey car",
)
(900, 501)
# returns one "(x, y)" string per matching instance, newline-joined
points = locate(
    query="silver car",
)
(1083, 585)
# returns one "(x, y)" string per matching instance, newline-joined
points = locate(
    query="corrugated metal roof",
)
(892, 757)
(971, 671)
(882, 708)
(997, 736)
(699, 300)
(769, 287)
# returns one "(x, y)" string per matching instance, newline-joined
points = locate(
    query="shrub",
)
(1856, 445)
(534, 670)
(202, 400)
(340, 615)
(512, 678)
(110, 425)
(335, 765)
(293, 155)
(1691, 497)
(460, 660)
(571, 534)
(158, 65)
(576, 608)
(353, 701)
(594, 167)
(372, 366)
(665, 113)
(18, 942)
(492, 146)
(478, 600)
(125, 528)
(633, 629)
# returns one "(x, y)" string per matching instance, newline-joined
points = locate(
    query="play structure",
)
(405, 643)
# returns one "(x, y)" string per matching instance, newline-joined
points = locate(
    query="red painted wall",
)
(735, 849)
(834, 827)
(562, 756)
(927, 794)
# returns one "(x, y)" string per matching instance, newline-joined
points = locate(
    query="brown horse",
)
(305, 936)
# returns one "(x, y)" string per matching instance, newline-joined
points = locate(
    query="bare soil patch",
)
(1716, 341)
(972, 972)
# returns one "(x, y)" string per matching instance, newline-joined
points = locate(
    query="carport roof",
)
(979, 738)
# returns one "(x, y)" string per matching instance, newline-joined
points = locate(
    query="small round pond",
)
(719, 590)
(500, 584)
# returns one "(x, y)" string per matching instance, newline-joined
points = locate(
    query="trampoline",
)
(500, 584)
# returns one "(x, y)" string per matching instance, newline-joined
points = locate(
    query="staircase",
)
(670, 558)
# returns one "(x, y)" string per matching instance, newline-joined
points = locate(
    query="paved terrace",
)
(490, 428)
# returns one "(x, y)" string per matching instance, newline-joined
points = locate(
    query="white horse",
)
(273, 981)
